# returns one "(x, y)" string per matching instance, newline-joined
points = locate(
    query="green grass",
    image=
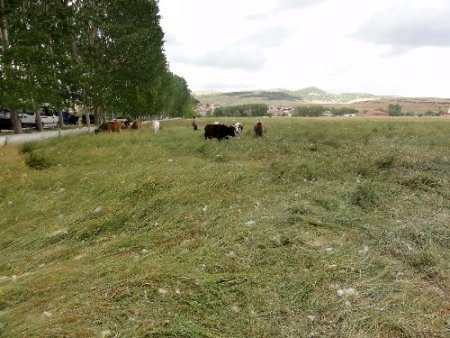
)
(322, 228)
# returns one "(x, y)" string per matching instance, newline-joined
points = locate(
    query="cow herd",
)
(117, 125)
(221, 131)
(213, 130)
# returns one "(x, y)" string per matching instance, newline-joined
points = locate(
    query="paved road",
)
(21, 138)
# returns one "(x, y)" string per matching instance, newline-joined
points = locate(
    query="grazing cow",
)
(218, 131)
(156, 126)
(137, 124)
(124, 123)
(110, 126)
(238, 128)
(195, 124)
(259, 129)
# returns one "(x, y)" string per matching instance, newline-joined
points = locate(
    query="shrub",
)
(27, 148)
(385, 162)
(364, 196)
(38, 162)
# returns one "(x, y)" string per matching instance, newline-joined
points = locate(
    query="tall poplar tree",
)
(106, 55)
(36, 58)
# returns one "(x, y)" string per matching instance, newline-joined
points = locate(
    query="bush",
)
(38, 161)
(394, 110)
(365, 196)
(27, 148)
(385, 162)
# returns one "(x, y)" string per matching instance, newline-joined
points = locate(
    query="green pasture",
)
(332, 227)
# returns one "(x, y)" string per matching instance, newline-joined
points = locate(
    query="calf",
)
(259, 129)
(219, 131)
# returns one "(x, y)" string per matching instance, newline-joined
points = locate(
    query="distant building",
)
(372, 113)
(204, 109)
(280, 110)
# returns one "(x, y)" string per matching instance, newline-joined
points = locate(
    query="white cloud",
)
(296, 4)
(392, 47)
(410, 25)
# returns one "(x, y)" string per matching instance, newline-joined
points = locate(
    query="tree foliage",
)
(255, 109)
(106, 55)
(394, 109)
(343, 111)
(312, 110)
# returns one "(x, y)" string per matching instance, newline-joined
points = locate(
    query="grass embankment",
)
(323, 228)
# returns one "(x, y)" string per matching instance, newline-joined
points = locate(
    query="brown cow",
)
(137, 124)
(124, 123)
(259, 129)
(110, 126)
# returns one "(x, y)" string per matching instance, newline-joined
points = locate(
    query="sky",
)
(381, 47)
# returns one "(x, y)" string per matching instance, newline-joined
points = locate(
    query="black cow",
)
(218, 131)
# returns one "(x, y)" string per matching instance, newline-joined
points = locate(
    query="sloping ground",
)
(280, 97)
(322, 228)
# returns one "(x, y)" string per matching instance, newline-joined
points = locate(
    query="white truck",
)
(49, 118)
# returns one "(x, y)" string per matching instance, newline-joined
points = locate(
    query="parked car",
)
(49, 118)
(70, 117)
(5, 119)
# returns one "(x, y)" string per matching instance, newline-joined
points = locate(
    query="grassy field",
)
(322, 228)
(414, 106)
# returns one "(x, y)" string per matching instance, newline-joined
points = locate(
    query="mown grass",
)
(322, 228)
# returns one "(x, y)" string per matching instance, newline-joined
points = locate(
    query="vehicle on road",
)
(49, 118)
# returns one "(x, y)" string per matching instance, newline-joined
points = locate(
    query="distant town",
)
(207, 109)
(282, 102)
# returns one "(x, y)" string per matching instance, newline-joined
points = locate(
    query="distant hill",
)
(281, 97)
(314, 95)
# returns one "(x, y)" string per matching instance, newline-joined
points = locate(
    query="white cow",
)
(156, 126)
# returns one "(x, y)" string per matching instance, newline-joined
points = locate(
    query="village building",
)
(205, 109)
(372, 113)
(447, 114)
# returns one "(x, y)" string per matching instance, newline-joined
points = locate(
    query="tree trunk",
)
(38, 120)
(4, 27)
(88, 120)
(96, 117)
(16, 123)
(60, 120)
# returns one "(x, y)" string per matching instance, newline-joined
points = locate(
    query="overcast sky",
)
(382, 47)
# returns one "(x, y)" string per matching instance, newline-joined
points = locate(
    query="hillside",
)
(322, 228)
(313, 95)
(280, 96)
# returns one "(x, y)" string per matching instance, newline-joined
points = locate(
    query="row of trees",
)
(319, 110)
(256, 109)
(104, 55)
